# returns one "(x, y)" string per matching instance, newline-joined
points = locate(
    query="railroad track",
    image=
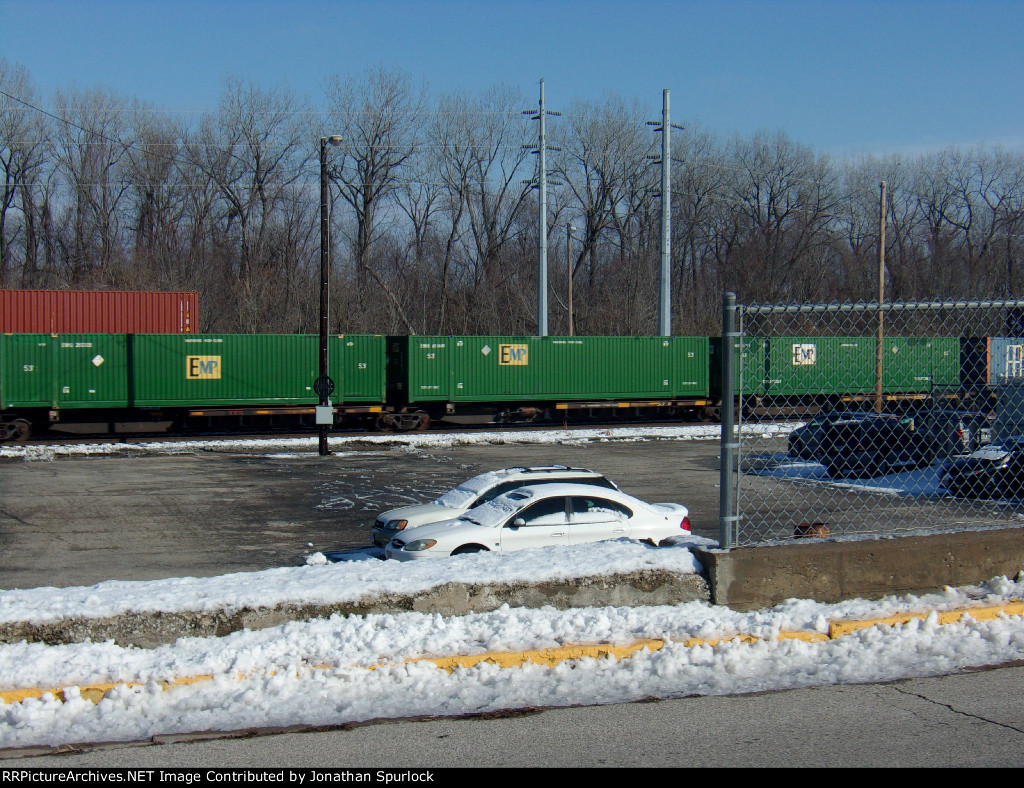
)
(65, 439)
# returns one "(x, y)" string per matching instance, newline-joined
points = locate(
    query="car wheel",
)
(831, 471)
(469, 548)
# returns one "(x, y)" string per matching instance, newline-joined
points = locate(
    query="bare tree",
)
(152, 172)
(256, 152)
(92, 143)
(699, 179)
(603, 163)
(481, 148)
(377, 114)
(786, 197)
(23, 144)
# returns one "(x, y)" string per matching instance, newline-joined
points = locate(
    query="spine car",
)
(153, 381)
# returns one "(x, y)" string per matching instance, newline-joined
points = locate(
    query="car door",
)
(592, 519)
(538, 525)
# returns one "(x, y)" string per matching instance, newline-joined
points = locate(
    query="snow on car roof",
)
(466, 492)
(496, 511)
(471, 488)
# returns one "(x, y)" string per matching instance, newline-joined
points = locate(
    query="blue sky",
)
(844, 76)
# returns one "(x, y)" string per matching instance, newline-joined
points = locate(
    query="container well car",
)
(544, 515)
(474, 492)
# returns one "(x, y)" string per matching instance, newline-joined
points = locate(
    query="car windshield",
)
(467, 492)
(495, 512)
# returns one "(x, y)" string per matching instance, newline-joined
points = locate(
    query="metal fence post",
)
(727, 516)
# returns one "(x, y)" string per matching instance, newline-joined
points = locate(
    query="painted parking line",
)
(565, 653)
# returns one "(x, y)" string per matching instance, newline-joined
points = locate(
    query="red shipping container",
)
(98, 312)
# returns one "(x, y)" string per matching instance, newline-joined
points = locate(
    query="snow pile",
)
(318, 672)
(347, 581)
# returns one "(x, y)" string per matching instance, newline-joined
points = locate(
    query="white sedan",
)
(541, 515)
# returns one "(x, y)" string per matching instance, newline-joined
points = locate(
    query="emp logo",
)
(805, 355)
(513, 355)
(202, 367)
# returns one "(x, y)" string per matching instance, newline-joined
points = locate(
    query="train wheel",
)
(19, 430)
(423, 423)
(385, 422)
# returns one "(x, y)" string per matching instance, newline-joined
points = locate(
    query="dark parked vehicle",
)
(942, 434)
(869, 445)
(993, 471)
(805, 441)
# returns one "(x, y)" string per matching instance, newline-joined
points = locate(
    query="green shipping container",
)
(91, 370)
(919, 364)
(68, 371)
(419, 369)
(252, 369)
(26, 371)
(358, 367)
(806, 365)
(815, 365)
(751, 364)
(526, 369)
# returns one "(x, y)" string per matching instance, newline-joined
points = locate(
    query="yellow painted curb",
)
(839, 628)
(555, 655)
(94, 692)
(544, 656)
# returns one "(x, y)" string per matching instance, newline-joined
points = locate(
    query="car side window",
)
(597, 510)
(547, 512)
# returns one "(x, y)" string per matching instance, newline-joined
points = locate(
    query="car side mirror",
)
(518, 521)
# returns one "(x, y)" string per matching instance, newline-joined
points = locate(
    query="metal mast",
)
(665, 277)
(542, 223)
(541, 183)
(665, 282)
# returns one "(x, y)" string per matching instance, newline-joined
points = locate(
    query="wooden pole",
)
(881, 300)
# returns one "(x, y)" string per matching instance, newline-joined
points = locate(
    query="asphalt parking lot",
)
(79, 521)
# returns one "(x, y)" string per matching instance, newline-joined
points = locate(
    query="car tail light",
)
(685, 523)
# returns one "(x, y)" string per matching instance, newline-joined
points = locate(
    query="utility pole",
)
(541, 183)
(665, 276)
(665, 281)
(881, 298)
(568, 259)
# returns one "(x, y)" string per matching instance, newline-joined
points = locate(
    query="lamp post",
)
(324, 386)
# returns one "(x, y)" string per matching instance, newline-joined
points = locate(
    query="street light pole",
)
(324, 386)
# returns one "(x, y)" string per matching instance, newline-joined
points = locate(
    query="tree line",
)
(434, 211)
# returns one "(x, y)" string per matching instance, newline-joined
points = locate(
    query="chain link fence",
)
(866, 420)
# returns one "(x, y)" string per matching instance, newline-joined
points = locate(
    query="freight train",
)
(131, 382)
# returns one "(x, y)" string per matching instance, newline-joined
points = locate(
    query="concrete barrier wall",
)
(147, 630)
(830, 571)
(743, 578)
